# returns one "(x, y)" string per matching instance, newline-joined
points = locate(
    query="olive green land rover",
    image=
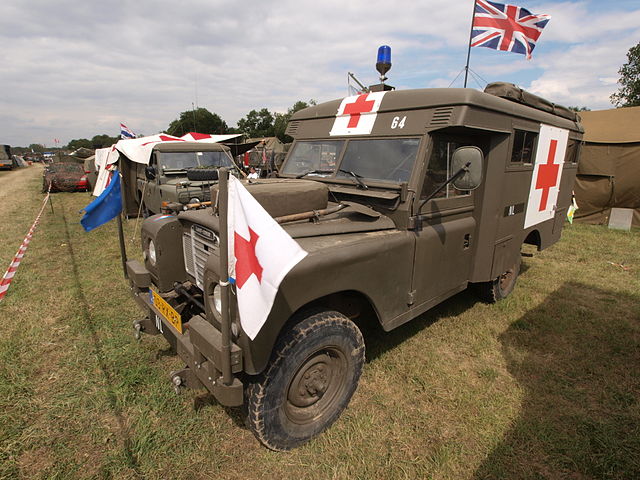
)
(401, 199)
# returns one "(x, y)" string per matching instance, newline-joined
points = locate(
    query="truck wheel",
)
(500, 287)
(312, 374)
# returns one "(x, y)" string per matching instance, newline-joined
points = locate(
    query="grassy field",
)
(543, 385)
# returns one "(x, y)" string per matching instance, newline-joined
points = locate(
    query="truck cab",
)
(178, 172)
(401, 199)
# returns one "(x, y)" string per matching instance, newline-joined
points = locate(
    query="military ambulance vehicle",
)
(401, 199)
(178, 172)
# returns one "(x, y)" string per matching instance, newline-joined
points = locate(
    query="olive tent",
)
(609, 170)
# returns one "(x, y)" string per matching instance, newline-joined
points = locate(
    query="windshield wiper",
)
(315, 172)
(357, 177)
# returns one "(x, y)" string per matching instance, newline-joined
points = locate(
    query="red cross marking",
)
(247, 263)
(361, 105)
(165, 138)
(547, 175)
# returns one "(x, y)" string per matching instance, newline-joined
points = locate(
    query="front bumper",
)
(199, 346)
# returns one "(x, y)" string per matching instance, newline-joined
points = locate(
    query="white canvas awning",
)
(139, 150)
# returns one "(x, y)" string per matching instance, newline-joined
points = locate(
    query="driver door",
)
(444, 243)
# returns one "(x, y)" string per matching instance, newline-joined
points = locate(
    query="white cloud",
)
(73, 69)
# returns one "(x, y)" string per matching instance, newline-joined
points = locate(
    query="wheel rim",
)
(506, 280)
(316, 386)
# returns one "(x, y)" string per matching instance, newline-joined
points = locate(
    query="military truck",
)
(401, 199)
(178, 172)
(6, 161)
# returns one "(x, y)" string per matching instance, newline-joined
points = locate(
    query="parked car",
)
(65, 177)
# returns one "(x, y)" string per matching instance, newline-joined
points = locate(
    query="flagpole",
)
(123, 250)
(225, 324)
(466, 68)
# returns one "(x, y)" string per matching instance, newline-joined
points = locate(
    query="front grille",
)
(198, 243)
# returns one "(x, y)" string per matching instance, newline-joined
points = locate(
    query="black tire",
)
(313, 372)
(204, 174)
(501, 287)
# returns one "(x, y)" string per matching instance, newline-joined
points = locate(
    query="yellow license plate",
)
(167, 311)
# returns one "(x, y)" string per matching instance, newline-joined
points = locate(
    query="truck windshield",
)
(320, 156)
(376, 159)
(179, 161)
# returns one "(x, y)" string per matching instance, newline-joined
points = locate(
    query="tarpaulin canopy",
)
(139, 150)
(609, 169)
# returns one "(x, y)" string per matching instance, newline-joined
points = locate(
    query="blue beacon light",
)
(383, 63)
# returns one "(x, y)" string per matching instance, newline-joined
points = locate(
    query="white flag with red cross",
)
(261, 254)
(357, 114)
(547, 172)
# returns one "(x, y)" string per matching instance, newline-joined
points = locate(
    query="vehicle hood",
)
(352, 218)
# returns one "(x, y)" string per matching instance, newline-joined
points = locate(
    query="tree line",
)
(256, 123)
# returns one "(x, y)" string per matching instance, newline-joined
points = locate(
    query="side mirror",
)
(150, 172)
(470, 160)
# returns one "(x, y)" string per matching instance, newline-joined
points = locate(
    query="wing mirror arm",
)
(455, 176)
(468, 161)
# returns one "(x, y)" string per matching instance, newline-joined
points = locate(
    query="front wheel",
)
(313, 372)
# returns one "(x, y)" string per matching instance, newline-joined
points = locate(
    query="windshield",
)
(375, 159)
(185, 160)
(319, 155)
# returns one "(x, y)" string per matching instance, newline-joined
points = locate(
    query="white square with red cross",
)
(357, 114)
(547, 172)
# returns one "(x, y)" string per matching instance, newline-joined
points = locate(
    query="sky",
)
(74, 69)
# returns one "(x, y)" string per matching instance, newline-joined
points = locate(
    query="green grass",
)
(542, 385)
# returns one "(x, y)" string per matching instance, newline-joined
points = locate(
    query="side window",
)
(523, 146)
(439, 166)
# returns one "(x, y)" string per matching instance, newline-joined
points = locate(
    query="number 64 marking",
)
(398, 122)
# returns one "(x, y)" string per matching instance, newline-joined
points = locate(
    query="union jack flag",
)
(506, 27)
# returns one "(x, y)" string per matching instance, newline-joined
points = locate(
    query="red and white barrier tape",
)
(11, 271)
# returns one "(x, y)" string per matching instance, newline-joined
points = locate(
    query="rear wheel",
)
(502, 286)
(313, 372)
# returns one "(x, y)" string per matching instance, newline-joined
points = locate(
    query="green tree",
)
(79, 142)
(628, 95)
(102, 141)
(282, 119)
(199, 120)
(257, 124)
(579, 109)
(36, 147)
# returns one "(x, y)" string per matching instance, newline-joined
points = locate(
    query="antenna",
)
(362, 87)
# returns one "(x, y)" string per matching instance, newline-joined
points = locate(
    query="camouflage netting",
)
(63, 177)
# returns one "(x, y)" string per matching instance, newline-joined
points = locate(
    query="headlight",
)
(217, 299)
(152, 252)
(194, 200)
